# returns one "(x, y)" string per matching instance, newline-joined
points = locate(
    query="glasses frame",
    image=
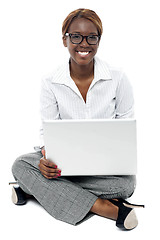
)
(86, 37)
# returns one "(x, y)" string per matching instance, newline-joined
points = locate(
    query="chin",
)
(82, 60)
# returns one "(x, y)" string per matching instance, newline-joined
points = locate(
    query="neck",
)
(81, 72)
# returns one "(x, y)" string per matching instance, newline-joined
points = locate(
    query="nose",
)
(84, 42)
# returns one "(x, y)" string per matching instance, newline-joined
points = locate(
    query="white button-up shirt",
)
(109, 95)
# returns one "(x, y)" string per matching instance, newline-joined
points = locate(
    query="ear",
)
(64, 41)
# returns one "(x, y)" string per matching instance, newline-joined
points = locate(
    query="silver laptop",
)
(92, 147)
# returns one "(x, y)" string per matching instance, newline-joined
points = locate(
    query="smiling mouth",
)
(83, 54)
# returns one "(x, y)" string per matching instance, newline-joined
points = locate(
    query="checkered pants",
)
(68, 199)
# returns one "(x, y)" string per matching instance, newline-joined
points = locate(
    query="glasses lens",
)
(76, 38)
(92, 39)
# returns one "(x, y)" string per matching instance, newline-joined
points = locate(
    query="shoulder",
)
(112, 72)
(58, 74)
(111, 68)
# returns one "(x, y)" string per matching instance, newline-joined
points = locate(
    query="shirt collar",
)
(101, 72)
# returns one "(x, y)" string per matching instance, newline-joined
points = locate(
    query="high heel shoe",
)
(18, 196)
(127, 219)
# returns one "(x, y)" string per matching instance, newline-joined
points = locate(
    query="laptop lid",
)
(92, 147)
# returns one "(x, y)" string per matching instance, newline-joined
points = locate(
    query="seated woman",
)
(83, 88)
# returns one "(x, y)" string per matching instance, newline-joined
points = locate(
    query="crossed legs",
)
(71, 199)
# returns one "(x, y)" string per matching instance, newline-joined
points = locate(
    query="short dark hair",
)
(82, 13)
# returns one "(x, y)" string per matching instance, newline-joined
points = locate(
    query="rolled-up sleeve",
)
(124, 99)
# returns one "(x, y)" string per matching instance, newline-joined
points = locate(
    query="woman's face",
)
(82, 53)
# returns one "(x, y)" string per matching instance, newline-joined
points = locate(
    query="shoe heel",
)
(13, 183)
(133, 205)
(130, 205)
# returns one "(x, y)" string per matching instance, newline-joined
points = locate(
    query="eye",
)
(76, 36)
(93, 37)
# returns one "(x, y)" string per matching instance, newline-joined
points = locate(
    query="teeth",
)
(83, 53)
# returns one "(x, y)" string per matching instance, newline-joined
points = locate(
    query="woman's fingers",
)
(50, 175)
(48, 163)
(49, 169)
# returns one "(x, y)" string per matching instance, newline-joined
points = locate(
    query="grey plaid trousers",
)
(68, 199)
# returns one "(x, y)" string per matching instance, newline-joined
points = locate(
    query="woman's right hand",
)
(48, 169)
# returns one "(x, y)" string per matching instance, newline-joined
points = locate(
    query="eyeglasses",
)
(78, 38)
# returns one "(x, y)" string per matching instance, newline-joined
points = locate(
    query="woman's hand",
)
(48, 169)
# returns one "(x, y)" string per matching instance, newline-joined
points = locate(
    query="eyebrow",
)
(92, 33)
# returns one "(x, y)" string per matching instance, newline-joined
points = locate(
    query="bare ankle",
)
(105, 208)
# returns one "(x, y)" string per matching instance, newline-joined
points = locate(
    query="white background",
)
(30, 48)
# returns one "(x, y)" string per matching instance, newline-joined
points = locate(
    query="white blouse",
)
(109, 95)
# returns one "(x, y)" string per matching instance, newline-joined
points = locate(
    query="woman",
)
(83, 88)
